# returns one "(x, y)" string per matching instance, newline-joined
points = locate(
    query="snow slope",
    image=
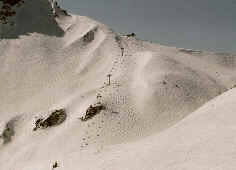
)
(161, 111)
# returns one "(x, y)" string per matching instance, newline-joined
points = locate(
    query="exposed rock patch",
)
(92, 111)
(131, 35)
(90, 36)
(8, 131)
(55, 118)
(190, 51)
(7, 10)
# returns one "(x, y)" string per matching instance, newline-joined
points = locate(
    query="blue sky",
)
(197, 24)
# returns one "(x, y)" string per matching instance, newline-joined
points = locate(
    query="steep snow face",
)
(68, 63)
(32, 64)
(203, 140)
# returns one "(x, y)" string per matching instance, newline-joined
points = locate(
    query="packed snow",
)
(77, 96)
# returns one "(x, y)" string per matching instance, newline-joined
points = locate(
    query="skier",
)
(122, 51)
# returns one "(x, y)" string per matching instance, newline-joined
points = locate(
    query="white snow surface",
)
(166, 108)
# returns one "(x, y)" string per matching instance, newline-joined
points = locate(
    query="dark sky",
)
(197, 24)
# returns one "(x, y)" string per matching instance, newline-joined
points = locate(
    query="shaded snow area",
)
(77, 96)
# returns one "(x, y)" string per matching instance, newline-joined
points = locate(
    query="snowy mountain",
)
(76, 95)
